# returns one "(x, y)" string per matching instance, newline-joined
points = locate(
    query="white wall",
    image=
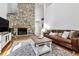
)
(3, 10)
(62, 16)
(12, 7)
(7, 8)
(39, 14)
(39, 11)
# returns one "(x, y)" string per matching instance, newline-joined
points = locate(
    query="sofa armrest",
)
(75, 43)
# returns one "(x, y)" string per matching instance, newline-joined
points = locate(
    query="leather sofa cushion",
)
(64, 40)
(60, 34)
(74, 34)
(58, 38)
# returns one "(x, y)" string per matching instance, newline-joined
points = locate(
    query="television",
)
(4, 24)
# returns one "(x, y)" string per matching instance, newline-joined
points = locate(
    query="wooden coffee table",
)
(41, 45)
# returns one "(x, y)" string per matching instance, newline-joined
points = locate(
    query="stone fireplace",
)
(24, 16)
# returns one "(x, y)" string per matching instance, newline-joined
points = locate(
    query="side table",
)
(42, 45)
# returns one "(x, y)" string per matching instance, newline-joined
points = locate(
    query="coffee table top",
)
(40, 40)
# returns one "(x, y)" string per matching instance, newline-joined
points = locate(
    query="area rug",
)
(25, 49)
(21, 49)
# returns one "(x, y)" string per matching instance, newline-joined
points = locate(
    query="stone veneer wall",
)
(25, 15)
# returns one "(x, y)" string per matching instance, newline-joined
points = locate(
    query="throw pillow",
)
(60, 34)
(51, 33)
(71, 34)
(74, 34)
(65, 34)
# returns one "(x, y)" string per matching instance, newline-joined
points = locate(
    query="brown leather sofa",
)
(71, 43)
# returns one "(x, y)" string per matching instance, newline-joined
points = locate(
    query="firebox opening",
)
(22, 31)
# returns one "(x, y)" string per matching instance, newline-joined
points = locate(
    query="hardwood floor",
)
(14, 38)
(6, 48)
(25, 37)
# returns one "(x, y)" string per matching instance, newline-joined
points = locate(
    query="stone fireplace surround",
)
(24, 16)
